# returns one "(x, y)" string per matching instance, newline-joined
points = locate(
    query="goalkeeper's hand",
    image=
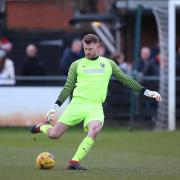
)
(51, 113)
(152, 94)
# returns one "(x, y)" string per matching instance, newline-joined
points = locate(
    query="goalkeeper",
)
(88, 78)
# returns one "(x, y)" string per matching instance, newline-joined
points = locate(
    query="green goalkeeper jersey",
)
(89, 79)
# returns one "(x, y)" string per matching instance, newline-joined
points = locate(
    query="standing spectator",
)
(153, 67)
(155, 50)
(32, 66)
(102, 50)
(6, 45)
(144, 58)
(70, 55)
(7, 74)
(119, 58)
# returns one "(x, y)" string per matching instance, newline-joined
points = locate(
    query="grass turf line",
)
(117, 154)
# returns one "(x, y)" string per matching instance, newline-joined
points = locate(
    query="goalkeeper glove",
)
(50, 114)
(152, 94)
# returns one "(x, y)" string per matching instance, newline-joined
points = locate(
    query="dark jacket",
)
(67, 59)
(152, 68)
(33, 67)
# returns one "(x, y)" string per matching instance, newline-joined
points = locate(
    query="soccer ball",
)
(45, 160)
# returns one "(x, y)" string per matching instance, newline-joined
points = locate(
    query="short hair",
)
(90, 38)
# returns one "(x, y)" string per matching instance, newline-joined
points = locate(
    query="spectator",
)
(6, 45)
(7, 74)
(119, 58)
(70, 55)
(102, 50)
(144, 58)
(153, 67)
(155, 50)
(32, 66)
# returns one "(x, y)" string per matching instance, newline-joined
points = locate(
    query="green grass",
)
(117, 154)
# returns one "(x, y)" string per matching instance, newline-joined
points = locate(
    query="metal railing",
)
(45, 78)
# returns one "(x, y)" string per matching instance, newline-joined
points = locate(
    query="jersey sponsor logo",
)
(94, 71)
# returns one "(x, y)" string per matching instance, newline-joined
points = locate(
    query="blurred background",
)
(39, 39)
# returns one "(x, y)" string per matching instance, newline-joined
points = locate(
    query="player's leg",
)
(93, 123)
(52, 132)
(70, 117)
(57, 131)
(94, 128)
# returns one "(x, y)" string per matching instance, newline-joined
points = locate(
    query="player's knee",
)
(97, 130)
(53, 135)
(94, 131)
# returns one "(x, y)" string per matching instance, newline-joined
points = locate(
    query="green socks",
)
(44, 128)
(83, 148)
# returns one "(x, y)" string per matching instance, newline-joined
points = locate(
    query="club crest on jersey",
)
(102, 65)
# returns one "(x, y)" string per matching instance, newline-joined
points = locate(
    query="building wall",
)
(49, 15)
(38, 15)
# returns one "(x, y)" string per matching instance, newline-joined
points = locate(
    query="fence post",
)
(136, 49)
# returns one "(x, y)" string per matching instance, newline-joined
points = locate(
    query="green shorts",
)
(81, 109)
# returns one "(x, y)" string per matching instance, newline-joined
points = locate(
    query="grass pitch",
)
(117, 154)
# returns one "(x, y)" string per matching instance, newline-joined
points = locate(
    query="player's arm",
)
(131, 83)
(68, 88)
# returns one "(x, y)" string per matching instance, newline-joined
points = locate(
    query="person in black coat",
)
(32, 66)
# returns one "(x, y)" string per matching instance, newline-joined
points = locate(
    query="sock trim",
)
(73, 162)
